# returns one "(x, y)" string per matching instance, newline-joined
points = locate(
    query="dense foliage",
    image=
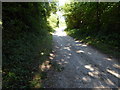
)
(25, 37)
(95, 23)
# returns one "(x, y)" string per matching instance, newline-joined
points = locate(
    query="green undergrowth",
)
(26, 44)
(26, 58)
(103, 43)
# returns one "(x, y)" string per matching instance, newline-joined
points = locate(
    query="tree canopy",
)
(98, 20)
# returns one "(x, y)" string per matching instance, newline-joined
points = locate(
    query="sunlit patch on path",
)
(60, 32)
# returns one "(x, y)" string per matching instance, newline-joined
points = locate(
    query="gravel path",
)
(84, 67)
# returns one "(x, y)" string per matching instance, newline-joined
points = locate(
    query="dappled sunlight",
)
(108, 81)
(93, 71)
(36, 81)
(99, 87)
(84, 45)
(89, 67)
(116, 66)
(94, 74)
(51, 58)
(80, 51)
(62, 60)
(86, 79)
(89, 53)
(113, 73)
(67, 48)
(68, 57)
(42, 53)
(59, 63)
(78, 44)
(109, 59)
(65, 62)
(52, 55)
(45, 66)
(69, 54)
(0, 22)
(77, 41)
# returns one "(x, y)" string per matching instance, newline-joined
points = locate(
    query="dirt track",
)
(84, 67)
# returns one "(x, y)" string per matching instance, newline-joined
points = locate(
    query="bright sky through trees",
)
(62, 2)
(62, 24)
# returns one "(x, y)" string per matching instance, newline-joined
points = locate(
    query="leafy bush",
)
(100, 21)
(25, 36)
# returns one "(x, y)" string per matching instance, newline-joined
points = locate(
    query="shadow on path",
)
(84, 67)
